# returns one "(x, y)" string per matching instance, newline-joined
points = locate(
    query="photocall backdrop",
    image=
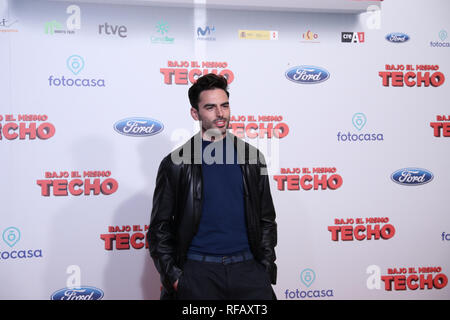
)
(351, 111)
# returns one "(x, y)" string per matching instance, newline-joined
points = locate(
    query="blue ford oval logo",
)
(412, 176)
(138, 127)
(82, 293)
(397, 37)
(307, 74)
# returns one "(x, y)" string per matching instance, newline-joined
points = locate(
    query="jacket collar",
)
(191, 151)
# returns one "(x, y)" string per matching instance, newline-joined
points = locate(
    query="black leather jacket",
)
(177, 207)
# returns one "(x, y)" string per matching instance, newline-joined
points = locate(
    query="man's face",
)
(213, 112)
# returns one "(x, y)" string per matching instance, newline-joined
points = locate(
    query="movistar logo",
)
(206, 33)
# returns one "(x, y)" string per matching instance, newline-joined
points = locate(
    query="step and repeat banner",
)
(351, 111)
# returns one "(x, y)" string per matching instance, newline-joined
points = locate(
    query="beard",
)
(215, 129)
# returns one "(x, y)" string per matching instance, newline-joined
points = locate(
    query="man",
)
(212, 230)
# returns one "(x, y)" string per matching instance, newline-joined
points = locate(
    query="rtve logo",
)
(108, 29)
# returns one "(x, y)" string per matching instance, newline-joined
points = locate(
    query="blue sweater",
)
(222, 229)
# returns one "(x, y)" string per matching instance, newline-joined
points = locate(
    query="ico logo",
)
(307, 277)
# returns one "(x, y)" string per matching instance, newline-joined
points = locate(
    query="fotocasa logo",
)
(75, 64)
(11, 236)
(307, 278)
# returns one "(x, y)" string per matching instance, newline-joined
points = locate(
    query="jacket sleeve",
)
(267, 221)
(161, 234)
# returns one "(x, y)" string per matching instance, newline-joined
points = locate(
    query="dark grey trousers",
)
(246, 280)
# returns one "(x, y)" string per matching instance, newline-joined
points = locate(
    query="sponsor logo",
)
(73, 22)
(63, 183)
(441, 126)
(397, 37)
(75, 64)
(11, 236)
(206, 33)
(258, 34)
(120, 238)
(310, 37)
(138, 127)
(308, 179)
(108, 29)
(163, 29)
(406, 278)
(6, 25)
(411, 75)
(307, 74)
(360, 229)
(352, 37)
(443, 35)
(261, 126)
(412, 176)
(25, 126)
(445, 236)
(373, 19)
(82, 293)
(307, 277)
(187, 72)
(359, 120)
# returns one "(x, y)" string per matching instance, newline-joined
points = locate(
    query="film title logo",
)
(308, 179)
(361, 229)
(412, 75)
(411, 278)
(442, 125)
(258, 126)
(185, 72)
(25, 126)
(75, 183)
(120, 238)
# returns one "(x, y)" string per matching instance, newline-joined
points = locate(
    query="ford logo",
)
(397, 37)
(412, 176)
(307, 74)
(138, 127)
(82, 293)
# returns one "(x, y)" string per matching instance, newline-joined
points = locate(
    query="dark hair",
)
(207, 82)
